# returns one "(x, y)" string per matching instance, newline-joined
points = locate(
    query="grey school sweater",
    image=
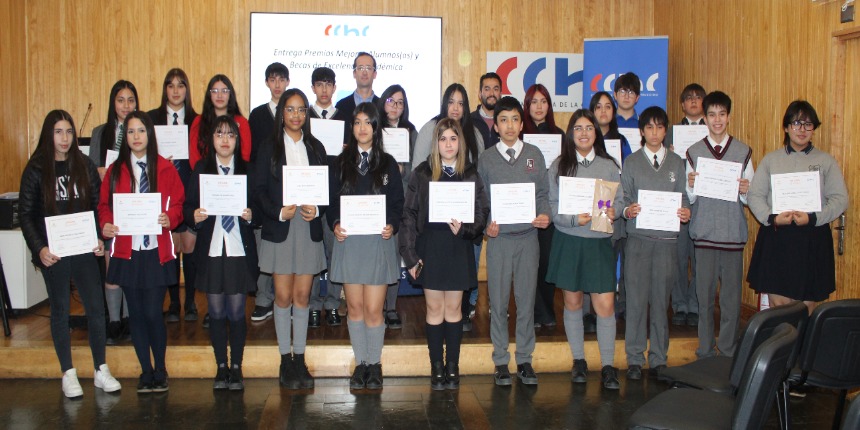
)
(528, 167)
(600, 168)
(639, 174)
(834, 194)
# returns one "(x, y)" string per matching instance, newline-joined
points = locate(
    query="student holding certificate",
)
(793, 255)
(226, 253)
(292, 246)
(142, 265)
(582, 260)
(440, 256)
(60, 180)
(365, 263)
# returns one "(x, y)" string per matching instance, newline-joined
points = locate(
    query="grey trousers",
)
(265, 285)
(332, 296)
(512, 259)
(684, 292)
(650, 269)
(727, 266)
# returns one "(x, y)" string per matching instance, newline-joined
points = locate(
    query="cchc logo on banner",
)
(561, 74)
(599, 83)
(345, 30)
(647, 57)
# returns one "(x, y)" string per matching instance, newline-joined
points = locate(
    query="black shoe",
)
(679, 318)
(551, 323)
(502, 376)
(191, 312)
(144, 384)
(261, 313)
(392, 320)
(287, 374)
(303, 376)
(359, 377)
(237, 382)
(314, 319)
(205, 319)
(634, 372)
(452, 376)
(114, 333)
(172, 314)
(579, 374)
(655, 371)
(526, 374)
(467, 325)
(222, 378)
(332, 318)
(692, 319)
(589, 323)
(374, 377)
(159, 381)
(609, 375)
(437, 376)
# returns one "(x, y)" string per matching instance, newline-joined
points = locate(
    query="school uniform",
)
(97, 153)
(424, 143)
(194, 154)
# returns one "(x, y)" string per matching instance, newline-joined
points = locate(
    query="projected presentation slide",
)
(408, 51)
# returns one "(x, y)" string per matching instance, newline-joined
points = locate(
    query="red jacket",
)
(169, 185)
(244, 133)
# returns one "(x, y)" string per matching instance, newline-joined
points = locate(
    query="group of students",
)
(288, 245)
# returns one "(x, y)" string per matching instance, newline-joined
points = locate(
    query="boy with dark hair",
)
(626, 90)
(262, 123)
(650, 266)
(719, 230)
(482, 117)
(512, 249)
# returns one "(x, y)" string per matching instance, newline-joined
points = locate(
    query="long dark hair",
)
(124, 158)
(278, 136)
(210, 161)
(378, 162)
(529, 126)
(567, 163)
(207, 117)
(109, 132)
(595, 99)
(43, 160)
(183, 78)
(403, 121)
(465, 121)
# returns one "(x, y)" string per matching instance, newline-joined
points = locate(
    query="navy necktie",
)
(656, 164)
(227, 221)
(175, 118)
(448, 171)
(364, 165)
(324, 113)
(144, 188)
(511, 152)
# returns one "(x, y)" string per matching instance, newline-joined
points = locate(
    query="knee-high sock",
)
(435, 339)
(300, 329)
(375, 339)
(190, 271)
(238, 334)
(283, 327)
(125, 306)
(114, 303)
(606, 339)
(575, 333)
(218, 336)
(453, 338)
(358, 339)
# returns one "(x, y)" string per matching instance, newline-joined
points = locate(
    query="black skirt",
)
(225, 275)
(449, 262)
(795, 262)
(142, 270)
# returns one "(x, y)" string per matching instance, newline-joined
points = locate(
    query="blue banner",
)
(607, 59)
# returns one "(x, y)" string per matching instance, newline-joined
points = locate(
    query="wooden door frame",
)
(837, 90)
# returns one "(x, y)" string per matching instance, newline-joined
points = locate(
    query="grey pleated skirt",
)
(297, 254)
(365, 259)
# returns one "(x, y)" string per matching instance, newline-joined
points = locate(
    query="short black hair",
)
(277, 69)
(628, 81)
(692, 89)
(322, 74)
(505, 104)
(362, 53)
(653, 113)
(717, 98)
(489, 75)
(798, 110)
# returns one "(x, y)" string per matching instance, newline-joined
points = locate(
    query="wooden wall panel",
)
(14, 126)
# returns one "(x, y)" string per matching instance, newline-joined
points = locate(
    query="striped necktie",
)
(364, 165)
(144, 188)
(175, 118)
(118, 144)
(227, 221)
(448, 171)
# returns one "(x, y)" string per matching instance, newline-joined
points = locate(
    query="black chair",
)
(685, 408)
(723, 374)
(852, 419)
(830, 353)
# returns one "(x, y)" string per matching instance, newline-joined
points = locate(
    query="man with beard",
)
(482, 117)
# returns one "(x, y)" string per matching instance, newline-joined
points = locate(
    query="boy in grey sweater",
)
(650, 268)
(512, 249)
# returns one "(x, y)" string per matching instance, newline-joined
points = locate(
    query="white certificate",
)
(362, 215)
(513, 203)
(110, 157)
(717, 179)
(137, 213)
(634, 138)
(684, 136)
(575, 195)
(613, 148)
(396, 143)
(330, 133)
(172, 141)
(796, 192)
(71, 234)
(305, 185)
(659, 211)
(84, 149)
(452, 200)
(549, 145)
(224, 194)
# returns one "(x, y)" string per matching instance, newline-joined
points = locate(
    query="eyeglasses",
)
(626, 93)
(296, 111)
(396, 103)
(581, 128)
(225, 91)
(797, 125)
(365, 68)
(229, 135)
(692, 97)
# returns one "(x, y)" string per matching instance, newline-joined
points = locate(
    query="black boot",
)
(452, 376)
(437, 376)
(303, 376)
(287, 373)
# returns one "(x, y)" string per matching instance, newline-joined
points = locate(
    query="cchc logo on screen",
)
(609, 82)
(562, 78)
(346, 30)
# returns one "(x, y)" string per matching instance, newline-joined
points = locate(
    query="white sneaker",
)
(71, 386)
(104, 380)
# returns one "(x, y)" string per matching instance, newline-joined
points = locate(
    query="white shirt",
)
(330, 110)
(503, 148)
(180, 116)
(137, 240)
(589, 157)
(661, 154)
(220, 238)
(297, 155)
(747, 173)
(273, 107)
